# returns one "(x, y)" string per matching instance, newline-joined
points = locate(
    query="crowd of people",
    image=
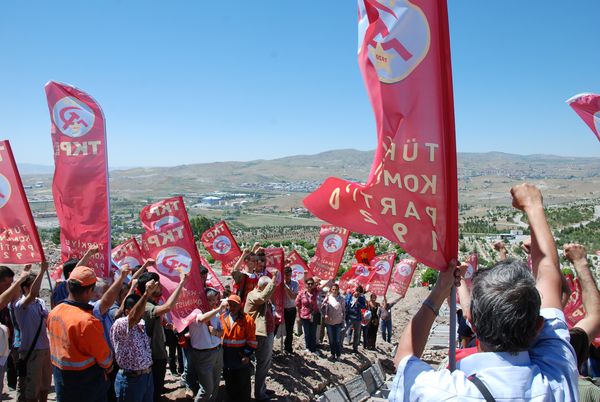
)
(115, 342)
(102, 341)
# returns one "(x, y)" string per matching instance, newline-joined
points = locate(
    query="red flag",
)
(574, 310)
(410, 196)
(402, 276)
(330, 251)
(358, 274)
(587, 106)
(221, 245)
(80, 185)
(382, 271)
(275, 261)
(212, 279)
(173, 250)
(19, 240)
(57, 273)
(365, 255)
(164, 212)
(128, 253)
(299, 268)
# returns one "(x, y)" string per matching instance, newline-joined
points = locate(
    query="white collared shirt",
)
(200, 338)
(547, 372)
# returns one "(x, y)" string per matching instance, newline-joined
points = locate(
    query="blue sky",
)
(198, 81)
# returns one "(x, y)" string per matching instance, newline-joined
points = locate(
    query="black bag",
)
(22, 363)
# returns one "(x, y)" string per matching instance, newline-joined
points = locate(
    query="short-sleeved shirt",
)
(200, 338)
(106, 320)
(547, 369)
(132, 345)
(61, 292)
(28, 318)
(155, 331)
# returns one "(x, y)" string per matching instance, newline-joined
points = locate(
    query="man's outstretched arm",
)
(414, 338)
(528, 198)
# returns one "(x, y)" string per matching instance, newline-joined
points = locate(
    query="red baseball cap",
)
(85, 276)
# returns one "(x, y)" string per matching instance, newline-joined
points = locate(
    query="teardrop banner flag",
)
(80, 184)
(587, 106)
(330, 251)
(19, 240)
(358, 274)
(275, 261)
(410, 196)
(128, 253)
(402, 276)
(212, 279)
(173, 250)
(382, 266)
(300, 269)
(221, 245)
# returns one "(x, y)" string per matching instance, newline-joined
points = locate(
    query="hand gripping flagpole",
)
(452, 349)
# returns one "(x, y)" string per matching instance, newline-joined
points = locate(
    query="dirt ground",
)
(302, 376)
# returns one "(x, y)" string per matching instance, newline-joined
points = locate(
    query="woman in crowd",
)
(334, 309)
(373, 324)
(308, 309)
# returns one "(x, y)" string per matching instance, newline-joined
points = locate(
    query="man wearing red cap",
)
(79, 351)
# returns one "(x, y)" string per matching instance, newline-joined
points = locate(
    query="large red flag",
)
(410, 196)
(80, 185)
(330, 251)
(402, 276)
(299, 268)
(173, 250)
(128, 253)
(382, 271)
(19, 240)
(221, 245)
(275, 261)
(587, 106)
(358, 274)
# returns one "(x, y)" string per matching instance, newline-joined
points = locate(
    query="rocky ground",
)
(301, 376)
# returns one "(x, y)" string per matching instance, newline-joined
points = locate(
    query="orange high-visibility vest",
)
(77, 339)
(240, 333)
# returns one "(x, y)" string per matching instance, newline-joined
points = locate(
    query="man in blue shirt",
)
(524, 351)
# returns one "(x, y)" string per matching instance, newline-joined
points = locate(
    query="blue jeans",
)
(310, 334)
(335, 339)
(386, 330)
(71, 386)
(134, 388)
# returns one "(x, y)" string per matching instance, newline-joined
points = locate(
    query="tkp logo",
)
(332, 243)
(361, 270)
(73, 117)
(402, 42)
(5, 191)
(131, 261)
(164, 221)
(172, 260)
(382, 267)
(470, 271)
(222, 245)
(404, 269)
(297, 272)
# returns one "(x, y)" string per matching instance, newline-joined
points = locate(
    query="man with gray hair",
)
(259, 307)
(524, 351)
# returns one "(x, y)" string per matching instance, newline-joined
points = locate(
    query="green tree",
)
(199, 225)
(430, 276)
(55, 238)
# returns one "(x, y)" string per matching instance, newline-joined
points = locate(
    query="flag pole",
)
(452, 349)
